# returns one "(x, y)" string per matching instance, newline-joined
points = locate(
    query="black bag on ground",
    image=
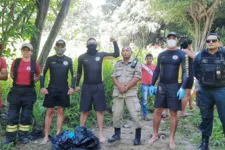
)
(62, 141)
(81, 139)
(86, 139)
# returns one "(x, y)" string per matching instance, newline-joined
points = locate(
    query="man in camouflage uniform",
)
(125, 79)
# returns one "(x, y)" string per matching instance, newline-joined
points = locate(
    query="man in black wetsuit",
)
(57, 93)
(93, 88)
(172, 72)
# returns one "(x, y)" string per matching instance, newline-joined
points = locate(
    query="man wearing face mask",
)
(93, 87)
(171, 69)
(209, 70)
(58, 91)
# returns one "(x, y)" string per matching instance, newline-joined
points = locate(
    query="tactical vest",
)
(32, 71)
(212, 70)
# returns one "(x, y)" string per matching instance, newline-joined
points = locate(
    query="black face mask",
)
(92, 49)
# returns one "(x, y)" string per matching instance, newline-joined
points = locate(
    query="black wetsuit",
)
(171, 69)
(93, 88)
(58, 86)
(190, 74)
(92, 66)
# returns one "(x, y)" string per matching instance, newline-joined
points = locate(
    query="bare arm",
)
(36, 78)
(190, 53)
(4, 74)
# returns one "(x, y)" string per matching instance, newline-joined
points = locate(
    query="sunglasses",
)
(213, 41)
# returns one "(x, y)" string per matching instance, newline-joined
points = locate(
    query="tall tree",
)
(54, 31)
(15, 22)
(197, 15)
(203, 14)
(42, 10)
(131, 22)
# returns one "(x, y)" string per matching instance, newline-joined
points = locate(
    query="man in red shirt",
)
(3, 73)
(24, 72)
(146, 81)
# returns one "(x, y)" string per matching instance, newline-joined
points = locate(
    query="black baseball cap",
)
(172, 33)
(60, 43)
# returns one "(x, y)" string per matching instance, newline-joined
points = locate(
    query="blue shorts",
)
(92, 94)
(166, 96)
(57, 97)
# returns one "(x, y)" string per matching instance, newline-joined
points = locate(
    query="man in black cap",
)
(209, 70)
(171, 70)
(58, 91)
(93, 87)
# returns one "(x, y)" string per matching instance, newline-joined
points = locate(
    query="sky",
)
(96, 3)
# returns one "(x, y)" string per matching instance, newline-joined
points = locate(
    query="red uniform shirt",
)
(146, 76)
(2, 63)
(23, 75)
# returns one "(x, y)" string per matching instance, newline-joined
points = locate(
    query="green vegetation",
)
(187, 127)
(137, 22)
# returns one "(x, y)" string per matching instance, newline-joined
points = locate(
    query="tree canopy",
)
(141, 22)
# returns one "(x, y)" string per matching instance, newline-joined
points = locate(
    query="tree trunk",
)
(203, 18)
(54, 31)
(42, 9)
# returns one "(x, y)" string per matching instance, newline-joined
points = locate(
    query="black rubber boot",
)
(7, 141)
(137, 139)
(205, 143)
(115, 137)
(10, 138)
(23, 137)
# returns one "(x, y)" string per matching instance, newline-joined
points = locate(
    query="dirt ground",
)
(126, 142)
(127, 135)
